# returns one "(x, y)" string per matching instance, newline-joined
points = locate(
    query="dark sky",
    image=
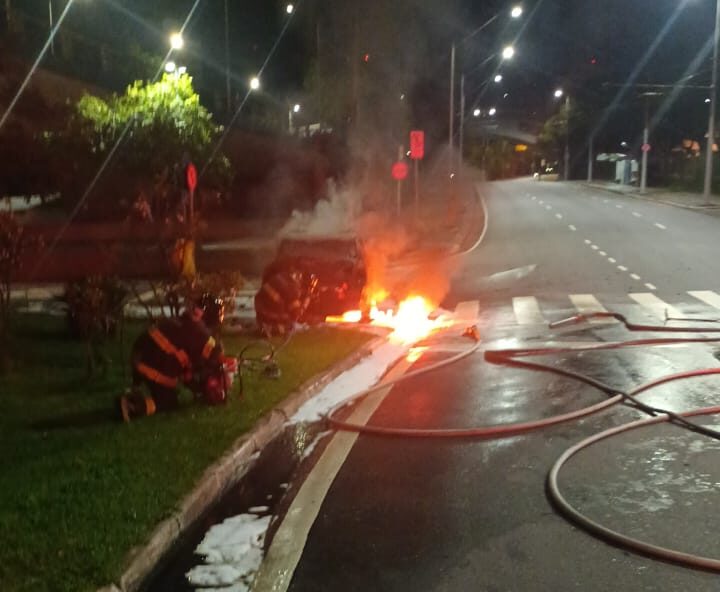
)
(556, 43)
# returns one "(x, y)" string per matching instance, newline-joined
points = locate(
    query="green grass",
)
(79, 489)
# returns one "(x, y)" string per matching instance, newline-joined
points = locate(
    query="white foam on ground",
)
(233, 551)
(349, 383)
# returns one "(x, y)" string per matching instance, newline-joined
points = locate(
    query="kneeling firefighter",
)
(179, 351)
(283, 298)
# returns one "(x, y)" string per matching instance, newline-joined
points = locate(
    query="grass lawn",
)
(79, 489)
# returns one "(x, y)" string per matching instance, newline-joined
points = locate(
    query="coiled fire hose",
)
(514, 357)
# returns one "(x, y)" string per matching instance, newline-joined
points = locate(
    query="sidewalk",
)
(692, 201)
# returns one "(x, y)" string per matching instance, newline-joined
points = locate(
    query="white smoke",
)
(336, 214)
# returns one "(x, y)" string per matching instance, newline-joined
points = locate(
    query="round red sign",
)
(191, 177)
(399, 170)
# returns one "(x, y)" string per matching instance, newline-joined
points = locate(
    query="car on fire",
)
(335, 262)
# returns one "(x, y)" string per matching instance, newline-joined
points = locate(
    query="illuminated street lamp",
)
(476, 113)
(255, 83)
(492, 111)
(507, 54)
(289, 8)
(177, 41)
(498, 78)
(558, 93)
(170, 67)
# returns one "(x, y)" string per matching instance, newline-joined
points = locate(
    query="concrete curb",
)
(662, 200)
(224, 474)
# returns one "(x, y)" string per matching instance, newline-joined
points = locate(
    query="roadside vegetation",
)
(78, 488)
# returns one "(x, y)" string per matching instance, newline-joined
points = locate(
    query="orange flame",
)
(409, 323)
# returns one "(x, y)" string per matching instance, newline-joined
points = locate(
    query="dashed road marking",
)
(635, 276)
(571, 227)
(650, 287)
(588, 242)
(587, 303)
(660, 226)
(612, 260)
(594, 247)
(602, 254)
(622, 268)
(558, 216)
(637, 215)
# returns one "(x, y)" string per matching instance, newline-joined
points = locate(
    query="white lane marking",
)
(541, 202)
(655, 305)
(605, 200)
(602, 253)
(287, 546)
(594, 247)
(618, 206)
(527, 311)
(637, 215)
(650, 286)
(468, 310)
(622, 268)
(533, 197)
(558, 216)
(588, 242)
(635, 276)
(587, 303)
(612, 260)
(548, 207)
(660, 226)
(708, 297)
(571, 227)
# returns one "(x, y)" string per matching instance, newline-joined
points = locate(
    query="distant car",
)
(338, 264)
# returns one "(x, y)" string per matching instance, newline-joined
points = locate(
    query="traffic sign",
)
(399, 170)
(191, 177)
(417, 144)
(646, 147)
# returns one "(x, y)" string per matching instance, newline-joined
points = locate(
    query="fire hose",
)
(514, 357)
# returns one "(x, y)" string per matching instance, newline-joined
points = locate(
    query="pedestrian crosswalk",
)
(640, 307)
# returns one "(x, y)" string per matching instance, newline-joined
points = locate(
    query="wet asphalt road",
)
(438, 515)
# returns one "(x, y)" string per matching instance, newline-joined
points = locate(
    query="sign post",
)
(399, 172)
(417, 152)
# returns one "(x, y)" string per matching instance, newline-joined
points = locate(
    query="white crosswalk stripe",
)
(587, 303)
(527, 311)
(641, 307)
(658, 307)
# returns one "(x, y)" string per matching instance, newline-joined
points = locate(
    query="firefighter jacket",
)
(175, 350)
(281, 300)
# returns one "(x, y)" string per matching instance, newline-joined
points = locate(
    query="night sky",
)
(589, 47)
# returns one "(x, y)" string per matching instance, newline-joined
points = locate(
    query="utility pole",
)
(645, 146)
(452, 107)
(228, 100)
(567, 136)
(590, 159)
(713, 101)
(51, 20)
(462, 122)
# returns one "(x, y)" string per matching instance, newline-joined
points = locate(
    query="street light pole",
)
(52, 38)
(452, 107)
(567, 136)
(462, 121)
(227, 61)
(713, 101)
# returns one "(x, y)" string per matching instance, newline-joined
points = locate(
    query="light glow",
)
(508, 52)
(177, 41)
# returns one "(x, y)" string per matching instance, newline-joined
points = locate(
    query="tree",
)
(14, 244)
(147, 135)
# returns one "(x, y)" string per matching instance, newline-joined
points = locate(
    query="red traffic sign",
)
(191, 176)
(417, 144)
(646, 147)
(399, 170)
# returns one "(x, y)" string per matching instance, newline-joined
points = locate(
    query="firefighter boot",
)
(134, 405)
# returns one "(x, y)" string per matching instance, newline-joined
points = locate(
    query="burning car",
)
(310, 278)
